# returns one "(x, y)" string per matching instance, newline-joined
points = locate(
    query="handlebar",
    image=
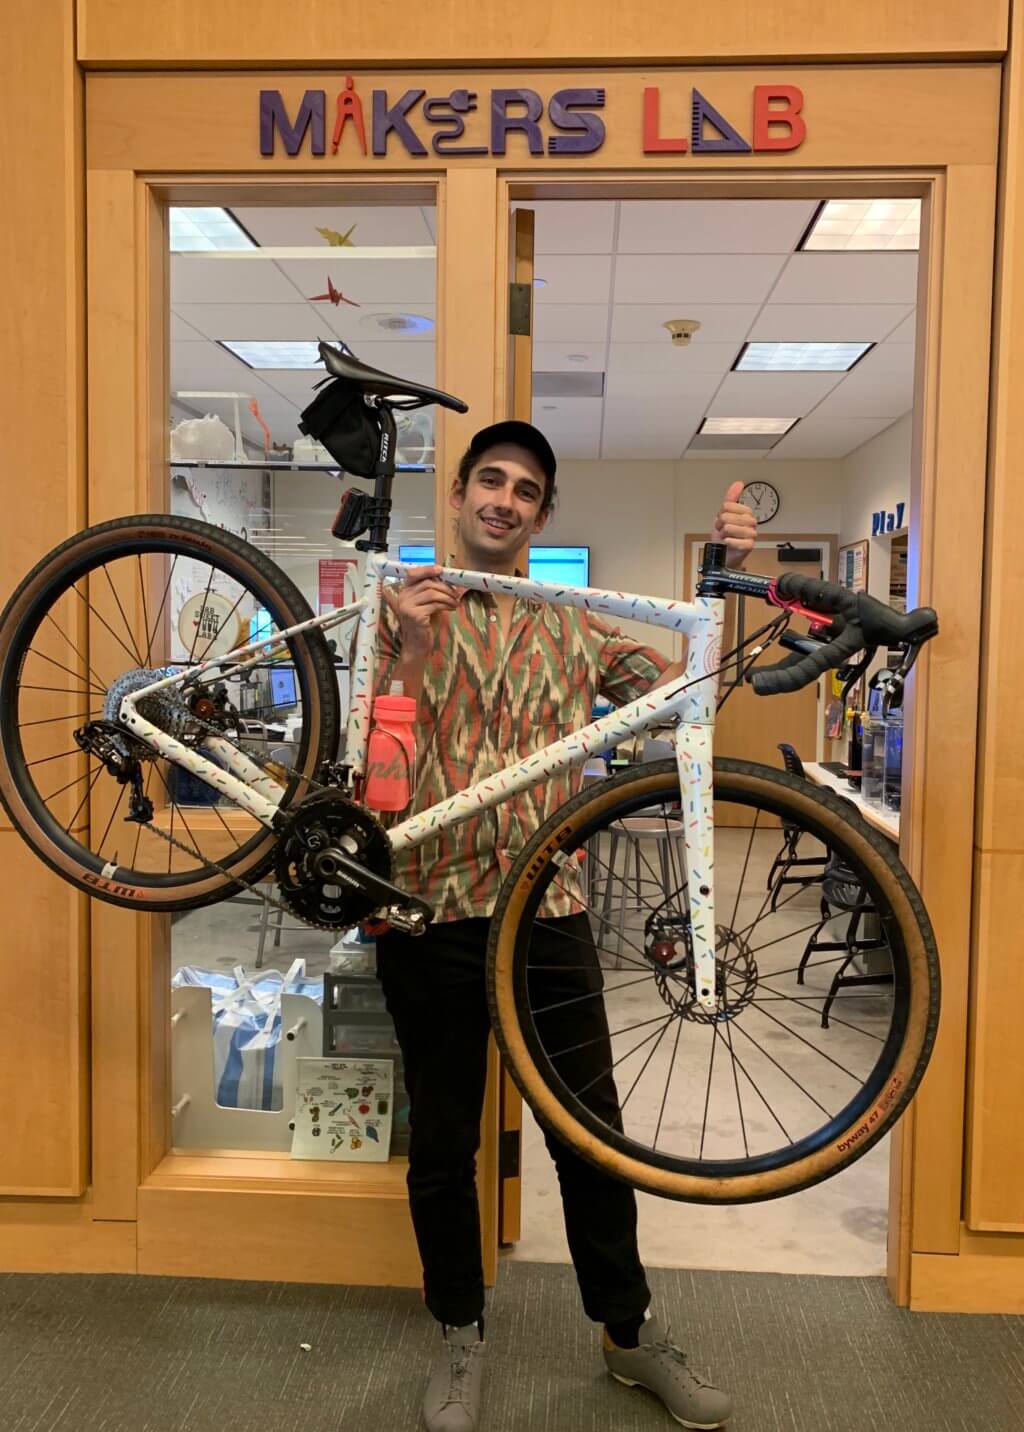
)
(843, 623)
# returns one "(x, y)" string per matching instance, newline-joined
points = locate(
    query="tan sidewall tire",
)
(731, 778)
(141, 897)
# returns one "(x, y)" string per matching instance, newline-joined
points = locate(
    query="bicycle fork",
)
(694, 757)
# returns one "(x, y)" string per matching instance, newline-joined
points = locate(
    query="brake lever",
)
(850, 675)
(892, 695)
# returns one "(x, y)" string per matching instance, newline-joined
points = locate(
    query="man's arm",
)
(735, 527)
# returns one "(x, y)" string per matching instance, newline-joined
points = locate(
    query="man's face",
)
(500, 507)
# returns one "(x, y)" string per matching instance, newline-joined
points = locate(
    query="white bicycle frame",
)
(688, 704)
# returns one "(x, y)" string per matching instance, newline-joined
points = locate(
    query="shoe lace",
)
(461, 1360)
(677, 1358)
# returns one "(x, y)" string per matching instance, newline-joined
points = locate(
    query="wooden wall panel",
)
(233, 33)
(995, 1127)
(216, 120)
(43, 957)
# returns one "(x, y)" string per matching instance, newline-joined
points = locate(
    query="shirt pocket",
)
(556, 694)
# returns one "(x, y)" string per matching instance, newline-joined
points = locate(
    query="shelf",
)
(255, 1171)
(281, 465)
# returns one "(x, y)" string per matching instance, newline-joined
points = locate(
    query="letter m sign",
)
(274, 116)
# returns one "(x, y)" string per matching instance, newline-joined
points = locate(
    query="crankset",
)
(333, 862)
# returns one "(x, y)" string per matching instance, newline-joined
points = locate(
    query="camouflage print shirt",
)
(485, 704)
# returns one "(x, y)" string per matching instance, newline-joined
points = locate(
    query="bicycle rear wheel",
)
(107, 612)
(798, 1072)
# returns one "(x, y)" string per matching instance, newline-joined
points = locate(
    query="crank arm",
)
(334, 865)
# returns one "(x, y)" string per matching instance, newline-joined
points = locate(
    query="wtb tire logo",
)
(567, 124)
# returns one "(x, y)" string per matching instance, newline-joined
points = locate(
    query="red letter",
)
(653, 142)
(789, 115)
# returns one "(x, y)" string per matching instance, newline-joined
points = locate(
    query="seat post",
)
(383, 477)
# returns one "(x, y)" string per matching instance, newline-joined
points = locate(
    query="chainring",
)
(317, 824)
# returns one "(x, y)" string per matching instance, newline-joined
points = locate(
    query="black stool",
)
(843, 891)
(788, 858)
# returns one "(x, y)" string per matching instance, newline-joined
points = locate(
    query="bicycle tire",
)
(867, 1117)
(23, 615)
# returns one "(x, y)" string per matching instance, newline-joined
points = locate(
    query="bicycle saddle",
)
(372, 382)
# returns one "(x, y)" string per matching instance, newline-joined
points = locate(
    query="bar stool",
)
(627, 836)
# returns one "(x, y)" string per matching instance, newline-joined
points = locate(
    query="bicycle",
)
(769, 1120)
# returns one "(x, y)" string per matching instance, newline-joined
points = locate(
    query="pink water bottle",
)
(391, 751)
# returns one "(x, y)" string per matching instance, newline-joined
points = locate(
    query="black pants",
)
(434, 988)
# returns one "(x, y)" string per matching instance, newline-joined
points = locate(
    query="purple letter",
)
(502, 121)
(311, 112)
(590, 129)
(385, 120)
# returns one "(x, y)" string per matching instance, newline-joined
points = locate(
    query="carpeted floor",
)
(800, 1354)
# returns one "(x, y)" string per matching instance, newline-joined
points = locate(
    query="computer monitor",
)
(282, 686)
(416, 554)
(564, 566)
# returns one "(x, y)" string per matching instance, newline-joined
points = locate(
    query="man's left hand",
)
(736, 526)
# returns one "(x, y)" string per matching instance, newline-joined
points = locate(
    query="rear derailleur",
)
(122, 756)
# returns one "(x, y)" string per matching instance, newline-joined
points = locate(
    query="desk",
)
(887, 821)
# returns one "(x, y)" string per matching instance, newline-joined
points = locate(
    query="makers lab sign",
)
(569, 122)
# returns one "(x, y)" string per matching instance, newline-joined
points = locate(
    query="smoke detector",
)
(681, 330)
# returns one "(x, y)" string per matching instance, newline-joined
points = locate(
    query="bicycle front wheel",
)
(107, 613)
(827, 998)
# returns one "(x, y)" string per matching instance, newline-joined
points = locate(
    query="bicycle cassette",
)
(312, 883)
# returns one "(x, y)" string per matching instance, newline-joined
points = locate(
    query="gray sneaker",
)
(659, 1365)
(452, 1401)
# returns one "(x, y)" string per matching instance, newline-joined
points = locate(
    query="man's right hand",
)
(420, 598)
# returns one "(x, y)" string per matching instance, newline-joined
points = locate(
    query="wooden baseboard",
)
(987, 1276)
(45, 1237)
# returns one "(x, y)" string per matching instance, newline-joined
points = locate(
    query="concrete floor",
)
(838, 1227)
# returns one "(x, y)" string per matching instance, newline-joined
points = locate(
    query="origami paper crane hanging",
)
(254, 408)
(333, 295)
(336, 240)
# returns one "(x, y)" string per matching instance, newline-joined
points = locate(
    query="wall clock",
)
(762, 499)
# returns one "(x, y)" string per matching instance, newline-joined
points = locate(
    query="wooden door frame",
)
(952, 377)
(953, 168)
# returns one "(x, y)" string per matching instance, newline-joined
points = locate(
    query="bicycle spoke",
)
(96, 690)
(588, 910)
(793, 999)
(42, 760)
(789, 1030)
(737, 1060)
(145, 614)
(132, 655)
(96, 775)
(668, 1080)
(110, 822)
(163, 602)
(206, 648)
(98, 679)
(783, 1070)
(49, 720)
(736, 1082)
(124, 618)
(743, 874)
(651, 1053)
(707, 1095)
(199, 621)
(590, 994)
(616, 1062)
(612, 1034)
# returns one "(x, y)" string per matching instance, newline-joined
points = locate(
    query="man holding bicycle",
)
(497, 677)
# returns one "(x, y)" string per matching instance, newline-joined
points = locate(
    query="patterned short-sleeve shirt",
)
(486, 703)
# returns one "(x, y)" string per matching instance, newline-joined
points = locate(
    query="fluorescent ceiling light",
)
(274, 354)
(747, 425)
(799, 357)
(871, 224)
(204, 230)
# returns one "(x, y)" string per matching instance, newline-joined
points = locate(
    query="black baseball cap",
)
(524, 435)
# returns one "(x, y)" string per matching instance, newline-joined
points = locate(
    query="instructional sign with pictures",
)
(343, 1109)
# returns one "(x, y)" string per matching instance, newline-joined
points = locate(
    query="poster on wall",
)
(853, 566)
(338, 579)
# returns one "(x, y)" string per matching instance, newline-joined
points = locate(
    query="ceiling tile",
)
(379, 225)
(713, 226)
(821, 436)
(573, 278)
(568, 227)
(648, 426)
(669, 384)
(694, 278)
(771, 395)
(195, 278)
(720, 323)
(867, 278)
(570, 323)
(554, 357)
(698, 357)
(875, 393)
(256, 320)
(571, 425)
(181, 329)
(380, 281)
(906, 332)
(368, 324)
(205, 365)
(827, 322)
